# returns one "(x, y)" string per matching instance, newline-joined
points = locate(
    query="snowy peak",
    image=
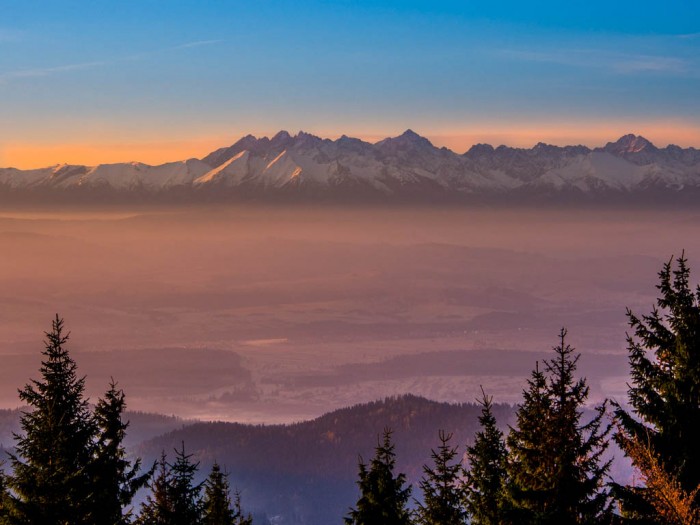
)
(628, 144)
(406, 167)
(409, 139)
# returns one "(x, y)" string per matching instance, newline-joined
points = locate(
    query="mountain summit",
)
(403, 168)
(629, 144)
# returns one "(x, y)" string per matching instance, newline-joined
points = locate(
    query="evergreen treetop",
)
(383, 496)
(485, 476)
(555, 467)
(441, 487)
(664, 395)
(115, 478)
(218, 509)
(54, 451)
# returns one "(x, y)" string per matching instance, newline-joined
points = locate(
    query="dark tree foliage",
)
(185, 494)
(383, 496)
(115, 478)
(175, 499)
(54, 451)
(4, 499)
(218, 509)
(664, 358)
(441, 486)
(239, 517)
(486, 474)
(217, 500)
(530, 466)
(556, 470)
(158, 509)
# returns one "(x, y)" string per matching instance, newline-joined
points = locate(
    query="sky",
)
(155, 80)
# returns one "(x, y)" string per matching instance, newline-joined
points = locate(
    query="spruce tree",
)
(383, 496)
(486, 474)
(4, 499)
(115, 478)
(158, 508)
(530, 466)
(442, 493)
(218, 509)
(579, 495)
(555, 467)
(664, 358)
(239, 517)
(175, 499)
(51, 464)
(185, 494)
(217, 501)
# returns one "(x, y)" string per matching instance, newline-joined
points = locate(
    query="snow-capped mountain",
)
(404, 167)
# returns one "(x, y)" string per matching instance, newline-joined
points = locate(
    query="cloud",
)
(47, 71)
(197, 43)
(592, 58)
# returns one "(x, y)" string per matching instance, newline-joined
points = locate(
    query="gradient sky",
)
(107, 81)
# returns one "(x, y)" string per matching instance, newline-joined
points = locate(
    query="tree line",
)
(70, 467)
(551, 467)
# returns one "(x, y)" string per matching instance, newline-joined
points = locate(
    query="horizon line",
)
(269, 137)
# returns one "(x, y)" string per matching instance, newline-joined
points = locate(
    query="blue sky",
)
(158, 78)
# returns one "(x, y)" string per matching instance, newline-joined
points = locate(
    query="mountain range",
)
(404, 168)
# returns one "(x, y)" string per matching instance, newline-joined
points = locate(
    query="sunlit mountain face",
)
(407, 167)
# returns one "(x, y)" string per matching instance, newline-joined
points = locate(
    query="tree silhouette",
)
(383, 496)
(555, 469)
(486, 474)
(50, 478)
(442, 492)
(664, 357)
(115, 478)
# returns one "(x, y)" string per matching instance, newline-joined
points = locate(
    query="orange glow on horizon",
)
(28, 155)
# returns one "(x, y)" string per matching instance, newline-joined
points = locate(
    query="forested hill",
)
(306, 472)
(142, 426)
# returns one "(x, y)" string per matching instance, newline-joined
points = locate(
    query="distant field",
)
(265, 314)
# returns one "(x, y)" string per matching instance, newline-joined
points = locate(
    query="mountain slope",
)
(407, 167)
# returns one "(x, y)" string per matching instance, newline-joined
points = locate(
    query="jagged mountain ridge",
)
(407, 166)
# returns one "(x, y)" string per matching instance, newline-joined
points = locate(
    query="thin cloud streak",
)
(47, 71)
(197, 43)
(618, 62)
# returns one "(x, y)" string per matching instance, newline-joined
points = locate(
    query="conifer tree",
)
(50, 480)
(158, 508)
(670, 503)
(175, 499)
(383, 496)
(529, 465)
(555, 467)
(239, 517)
(115, 478)
(217, 501)
(580, 495)
(185, 494)
(4, 499)
(218, 509)
(486, 474)
(442, 493)
(664, 358)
